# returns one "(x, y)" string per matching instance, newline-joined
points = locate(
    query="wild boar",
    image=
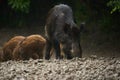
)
(31, 47)
(10, 46)
(60, 28)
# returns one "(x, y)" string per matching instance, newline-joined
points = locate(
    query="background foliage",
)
(115, 4)
(23, 13)
(20, 5)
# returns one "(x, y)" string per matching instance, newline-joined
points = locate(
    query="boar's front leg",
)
(48, 49)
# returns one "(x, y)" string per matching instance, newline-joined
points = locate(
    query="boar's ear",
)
(77, 30)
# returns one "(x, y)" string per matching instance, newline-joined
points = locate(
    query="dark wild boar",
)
(60, 28)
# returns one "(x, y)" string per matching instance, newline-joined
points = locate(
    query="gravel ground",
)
(91, 68)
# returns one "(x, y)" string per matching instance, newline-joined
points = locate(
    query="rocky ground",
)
(91, 68)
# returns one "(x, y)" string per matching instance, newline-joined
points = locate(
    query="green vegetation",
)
(20, 5)
(115, 4)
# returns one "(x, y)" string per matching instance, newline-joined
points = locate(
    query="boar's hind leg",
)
(48, 49)
(56, 46)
